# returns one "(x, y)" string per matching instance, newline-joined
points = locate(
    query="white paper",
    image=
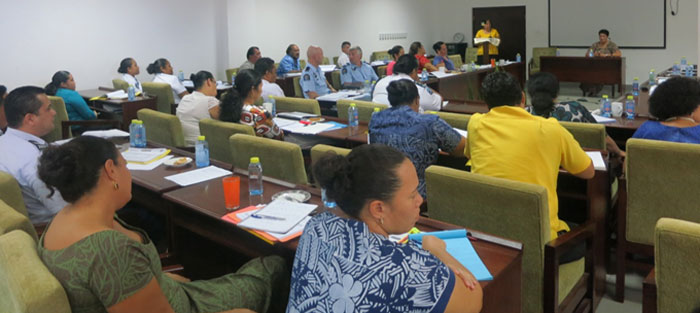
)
(327, 68)
(597, 158)
(493, 41)
(119, 94)
(292, 74)
(279, 236)
(343, 94)
(378, 63)
(439, 74)
(296, 115)
(461, 131)
(188, 83)
(142, 154)
(312, 129)
(149, 166)
(398, 237)
(603, 119)
(62, 141)
(106, 133)
(287, 214)
(198, 175)
(282, 122)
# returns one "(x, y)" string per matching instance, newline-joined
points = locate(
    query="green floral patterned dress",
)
(107, 267)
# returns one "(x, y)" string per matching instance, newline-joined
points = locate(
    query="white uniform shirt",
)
(191, 109)
(343, 59)
(174, 83)
(271, 89)
(131, 80)
(429, 100)
(19, 157)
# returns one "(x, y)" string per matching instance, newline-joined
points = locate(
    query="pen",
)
(268, 217)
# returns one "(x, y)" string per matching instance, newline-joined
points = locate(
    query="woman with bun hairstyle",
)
(345, 261)
(129, 69)
(395, 53)
(105, 265)
(200, 104)
(164, 74)
(238, 106)
(62, 85)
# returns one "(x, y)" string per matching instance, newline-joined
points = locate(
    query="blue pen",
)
(267, 217)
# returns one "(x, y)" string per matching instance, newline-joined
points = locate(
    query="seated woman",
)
(417, 50)
(62, 85)
(604, 47)
(164, 74)
(198, 105)
(419, 136)
(238, 106)
(106, 265)
(395, 53)
(675, 103)
(129, 69)
(543, 89)
(345, 260)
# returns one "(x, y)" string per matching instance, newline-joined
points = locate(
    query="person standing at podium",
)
(487, 32)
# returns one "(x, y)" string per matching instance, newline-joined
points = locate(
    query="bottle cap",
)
(353, 104)
(630, 97)
(605, 96)
(652, 70)
(377, 109)
(201, 138)
(367, 81)
(254, 160)
(636, 78)
(134, 121)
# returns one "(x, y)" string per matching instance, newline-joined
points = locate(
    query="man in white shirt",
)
(265, 67)
(252, 56)
(3, 121)
(29, 116)
(344, 51)
(407, 68)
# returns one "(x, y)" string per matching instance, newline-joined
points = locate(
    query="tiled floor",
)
(633, 296)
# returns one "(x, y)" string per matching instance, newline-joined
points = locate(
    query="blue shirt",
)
(448, 63)
(287, 65)
(657, 131)
(342, 267)
(418, 136)
(76, 106)
(313, 79)
(351, 73)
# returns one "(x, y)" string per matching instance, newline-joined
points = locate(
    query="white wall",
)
(90, 37)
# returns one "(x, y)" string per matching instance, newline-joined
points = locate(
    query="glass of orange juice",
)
(232, 192)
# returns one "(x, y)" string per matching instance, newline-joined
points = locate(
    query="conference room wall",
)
(90, 37)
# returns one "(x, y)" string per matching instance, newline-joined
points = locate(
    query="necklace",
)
(675, 118)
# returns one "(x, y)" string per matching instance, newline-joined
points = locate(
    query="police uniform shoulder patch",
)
(307, 77)
(308, 68)
(345, 70)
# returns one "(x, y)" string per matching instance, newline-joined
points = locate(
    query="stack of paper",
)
(106, 133)
(327, 68)
(144, 155)
(296, 115)
(597, 158)
(279, 216)
(439, 74)
(118, 95)
(198, 175)
(459, 246)
(343, 94)
(242, 214)
(603, 119)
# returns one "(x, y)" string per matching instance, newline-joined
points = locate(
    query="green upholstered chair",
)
(61, 116)
(302, 64)
(381, 71)
(379, 55)
(288, 104)
(661, 178)
(297, 87)
(218, 133)
(534, 65)
(517, 211)
(162, 128)
(470, 55)
(326, 61)
(456, 120)
(11, 193)
(120, 84)
(335, 60)
(318, 151)
(588, 135)
(335, 80)
(27, 286)
(364, 109)
(10, 220)
(457, 60)
(279, 159)
(165, 101)
(677, 275)
(230, 72)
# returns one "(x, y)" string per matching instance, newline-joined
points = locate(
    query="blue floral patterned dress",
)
(342, 267)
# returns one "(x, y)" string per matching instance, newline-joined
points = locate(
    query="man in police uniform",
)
(290, 62)
(313, 81)
(357, 71)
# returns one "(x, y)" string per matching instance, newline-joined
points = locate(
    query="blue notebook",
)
(459, 246)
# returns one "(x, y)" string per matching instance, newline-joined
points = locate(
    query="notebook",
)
(242, 214)
(279, 216)
(459, 246)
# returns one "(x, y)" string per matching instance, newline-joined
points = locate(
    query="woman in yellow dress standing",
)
(487, 32)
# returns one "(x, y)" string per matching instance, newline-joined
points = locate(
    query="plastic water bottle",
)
(327, 202)
(353, 119)
(201, 152)
(366, 87)
(689, 70)
(629, 107)
(137, 134)
(684, 63)
(255, 181)
(606, 110)
(424, 75)
(676, 69)
(233, 78)
(131, 91)
(590, 53)
(142, 135)
(180, 76)
(518, 58)
(558, 52)
(635, 85)
(274, 107)
(652, 77)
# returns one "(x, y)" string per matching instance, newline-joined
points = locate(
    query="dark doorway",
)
(510, 23)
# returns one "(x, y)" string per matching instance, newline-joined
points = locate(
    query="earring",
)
(116, 186)
(381, 220)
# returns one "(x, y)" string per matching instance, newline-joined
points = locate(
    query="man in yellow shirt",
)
(508, 142)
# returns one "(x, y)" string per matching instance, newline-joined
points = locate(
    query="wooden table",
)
(649, 298)
(597, 70)
(128, 108)
(466, 86)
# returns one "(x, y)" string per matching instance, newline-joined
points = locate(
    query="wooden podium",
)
(486, 57)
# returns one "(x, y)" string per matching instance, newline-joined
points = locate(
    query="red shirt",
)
(422, 60)
(390, 68)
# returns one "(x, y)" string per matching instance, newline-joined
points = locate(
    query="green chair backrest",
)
(297, 87)
(164, 92)
(381, 71)
(302, 64)
(471, 54)
(539, 52)
(379, 55)
(218, 133)
(120, 84)
(326, 61)
(505, 208)
(162, 127)
(456, 120)
(661, 176)
(288, 104)
(10, 220)
(11, 193)
(588, 135)
(27, 286)
(230, 72)
(279, 159)
(676, 253)
(335, 60)
(335, 80)
(364, 109)
(457, 60)
(320, 150)
(61, 115)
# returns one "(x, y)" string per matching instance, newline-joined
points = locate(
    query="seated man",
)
(29, 116)
(290, 62)
(357, 71)
(441, 58)
(252, 56)
(343, 58)
(265, 67)
(407, 68)
(3, 121)
(313, 81)
(508, 142)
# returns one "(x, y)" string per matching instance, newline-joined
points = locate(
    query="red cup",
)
(232, 192)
